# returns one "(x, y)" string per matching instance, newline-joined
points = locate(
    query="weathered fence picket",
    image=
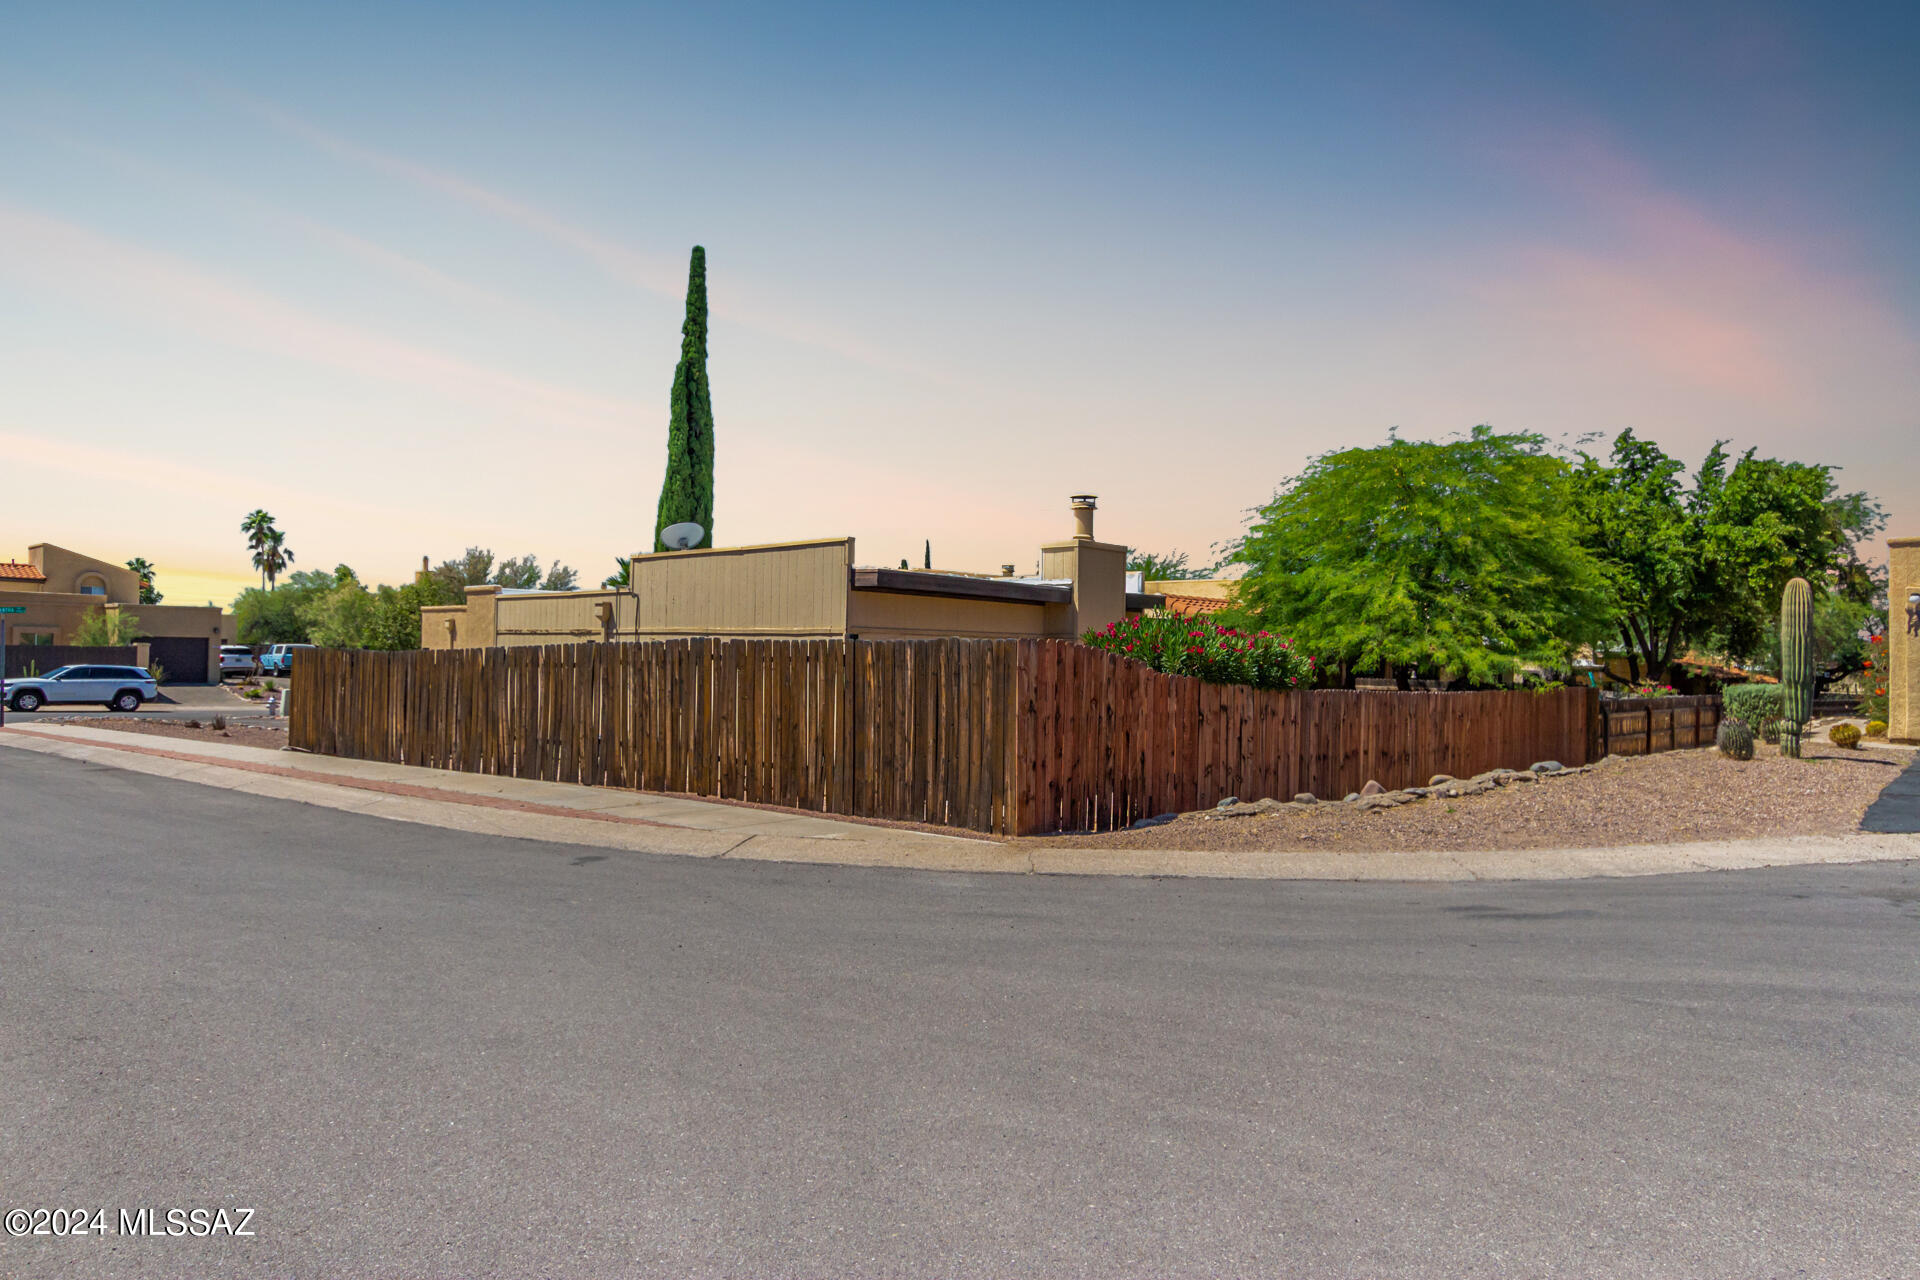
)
(1010, 736)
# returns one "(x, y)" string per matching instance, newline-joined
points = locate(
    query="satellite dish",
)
(678, 537)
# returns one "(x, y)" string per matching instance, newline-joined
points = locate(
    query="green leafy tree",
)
(451, 578)
(99, 627)
(275, 617)
(144, 570)
(521, 573)
(394, 621)
(337, 618)
(1703, 564)
(686, 494)
(1459, 557)
(1167, 568)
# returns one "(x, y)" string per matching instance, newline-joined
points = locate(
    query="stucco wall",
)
(1903, 646)
(791, 589)
(885, 615)
(67, 570)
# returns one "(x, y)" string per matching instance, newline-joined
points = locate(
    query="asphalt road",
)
(418, 1052)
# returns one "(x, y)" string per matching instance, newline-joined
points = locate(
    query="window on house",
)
(93, 585)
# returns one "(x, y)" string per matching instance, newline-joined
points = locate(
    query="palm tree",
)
(272, 557)
(624, 578)
(143, 569)
(257, 526)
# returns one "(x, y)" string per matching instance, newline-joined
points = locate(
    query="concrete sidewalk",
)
(645, 823)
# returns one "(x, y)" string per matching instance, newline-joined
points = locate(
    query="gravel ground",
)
(1673, 796)
(243, 735)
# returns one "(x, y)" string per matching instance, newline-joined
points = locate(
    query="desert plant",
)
(1735, 739)
(158, 672)
(1754, 703)
(1796, 662)
(220, 724)
(1844, 735)
(112, 630)
(1770, 731)
(1876, 728)
(1873, 703)
(271, 686)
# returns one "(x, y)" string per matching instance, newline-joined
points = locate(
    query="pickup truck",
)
(278, 660)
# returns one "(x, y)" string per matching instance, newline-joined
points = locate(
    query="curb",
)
(497, 815)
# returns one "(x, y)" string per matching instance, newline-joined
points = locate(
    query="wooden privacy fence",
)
(1010, 736)
(1642, 726)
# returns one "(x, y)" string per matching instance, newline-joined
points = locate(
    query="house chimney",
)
(1083, 516)
(1006, 571)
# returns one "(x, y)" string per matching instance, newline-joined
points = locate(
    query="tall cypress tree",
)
(687, 491)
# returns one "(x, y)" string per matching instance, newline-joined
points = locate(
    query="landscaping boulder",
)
(1546, 766)
(1372, 788)
(1228, 803)
(1439, 780)
(1350, 797)
(1306, 797)
(1158, 820)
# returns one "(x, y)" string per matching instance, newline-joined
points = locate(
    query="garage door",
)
(183, 657)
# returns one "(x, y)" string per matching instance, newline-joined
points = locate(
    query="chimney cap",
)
(1087, 498)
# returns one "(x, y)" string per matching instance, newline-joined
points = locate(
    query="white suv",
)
(117, 688)
(237, 660)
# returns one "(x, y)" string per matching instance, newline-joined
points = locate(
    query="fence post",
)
(1596, 726)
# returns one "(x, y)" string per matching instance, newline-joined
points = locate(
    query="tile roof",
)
(14, 571)
(1193, 606)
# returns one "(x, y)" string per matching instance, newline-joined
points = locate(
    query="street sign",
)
(13, 608)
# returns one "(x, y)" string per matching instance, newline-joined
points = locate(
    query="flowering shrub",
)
(1221, 655)
(1646, 689)
(1873, 704)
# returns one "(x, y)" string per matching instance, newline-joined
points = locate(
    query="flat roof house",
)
(812, 590)
(54, 588)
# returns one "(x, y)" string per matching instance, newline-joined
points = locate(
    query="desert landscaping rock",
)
(1372, 788)
(1669, 797)
(1546, 766)
(1305, 797)
(1439, 780)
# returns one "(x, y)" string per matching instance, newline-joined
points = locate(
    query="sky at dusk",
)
(411, 277)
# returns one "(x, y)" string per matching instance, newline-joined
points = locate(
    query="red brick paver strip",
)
(407, 789)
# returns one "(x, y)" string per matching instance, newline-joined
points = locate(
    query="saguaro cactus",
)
(1796, 662)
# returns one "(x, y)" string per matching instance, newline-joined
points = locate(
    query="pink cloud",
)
(153, 285)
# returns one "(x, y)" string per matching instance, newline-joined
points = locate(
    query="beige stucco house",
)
(814, 590)
(54, 588)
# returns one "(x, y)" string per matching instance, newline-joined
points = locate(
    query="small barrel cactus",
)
(1876, 728)
(1844, 735)
(1735, 740)
(1796, 662)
